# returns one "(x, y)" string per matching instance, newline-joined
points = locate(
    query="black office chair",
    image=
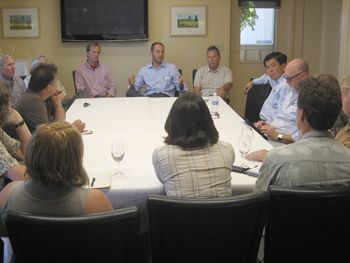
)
(308, 225)
(103, 237)
(194, 72)
(75, 86)
(206, 230)
(255, 100)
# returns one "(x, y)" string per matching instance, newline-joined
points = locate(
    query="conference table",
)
(139, 123)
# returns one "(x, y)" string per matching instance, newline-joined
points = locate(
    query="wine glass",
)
(248, 131)
(244, 145)
(205, 95)
(117, 152)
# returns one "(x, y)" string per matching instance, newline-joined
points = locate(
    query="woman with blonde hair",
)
(54, 161)
(343, 136)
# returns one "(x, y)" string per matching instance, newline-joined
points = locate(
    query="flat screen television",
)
(110, 20)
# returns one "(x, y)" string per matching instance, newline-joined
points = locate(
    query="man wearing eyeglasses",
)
(283, 127)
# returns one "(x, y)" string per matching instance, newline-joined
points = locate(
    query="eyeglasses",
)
(290, 78)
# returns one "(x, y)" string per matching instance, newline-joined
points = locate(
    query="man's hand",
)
(257, 155)
(220, 91)
(131, 80)
(58, 97)
(270, 132)
(79, 125)
(259, 124)
(248, 87)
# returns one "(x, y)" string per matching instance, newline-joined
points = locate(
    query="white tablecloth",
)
(139, 122)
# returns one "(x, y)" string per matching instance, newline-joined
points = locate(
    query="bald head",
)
(296, 71)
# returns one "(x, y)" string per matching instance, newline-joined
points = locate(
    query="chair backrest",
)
(75, 86)
(103, 237)
(255, 100)
(194, 71)
(308, 225)
(206, 230)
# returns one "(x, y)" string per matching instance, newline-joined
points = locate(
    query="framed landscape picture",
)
(187, 20)
(20, 22)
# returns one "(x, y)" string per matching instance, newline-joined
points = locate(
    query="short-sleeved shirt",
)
(209, 80)
(8, 148)
(204, 172)
(34, 110)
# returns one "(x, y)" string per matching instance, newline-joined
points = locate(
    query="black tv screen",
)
(113, 20)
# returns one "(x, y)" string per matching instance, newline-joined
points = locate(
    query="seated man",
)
(93, 77)
(316, 159)
(158, 78)
(15, 84)
(283, 126)
(43, 60)
(11, 150)
(343, 136)
(275, 64)
(213, 77)
(41, 103)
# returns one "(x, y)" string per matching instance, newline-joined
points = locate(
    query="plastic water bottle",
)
(214, 104)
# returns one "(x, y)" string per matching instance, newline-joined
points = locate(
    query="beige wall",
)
(305, 28)
(125, 58)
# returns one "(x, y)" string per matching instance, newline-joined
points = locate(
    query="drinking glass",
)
(244, 145)
(248, 131)
(117, 152)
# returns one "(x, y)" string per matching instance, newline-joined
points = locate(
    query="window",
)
(258, 34)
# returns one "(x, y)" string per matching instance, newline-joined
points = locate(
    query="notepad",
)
(100, 181)
(254, 172)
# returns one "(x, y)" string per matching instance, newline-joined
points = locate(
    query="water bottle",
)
(214, 104)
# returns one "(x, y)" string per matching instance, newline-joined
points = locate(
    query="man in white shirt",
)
(213, 77)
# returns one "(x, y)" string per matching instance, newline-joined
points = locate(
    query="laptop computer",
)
(255, 128)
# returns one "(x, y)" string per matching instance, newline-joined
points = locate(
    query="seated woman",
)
(343, 136)
(193, 163)
(11, 150)
(54, 161)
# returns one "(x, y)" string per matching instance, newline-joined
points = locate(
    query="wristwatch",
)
(280, 137)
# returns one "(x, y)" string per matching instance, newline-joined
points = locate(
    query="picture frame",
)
(20, 22)
(188, 20)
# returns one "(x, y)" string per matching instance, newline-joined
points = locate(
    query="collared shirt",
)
(204, 172)
(285, 120)
(16, 87)
(316, 159)
(274, 101)
(97, 82)
(343, 136)
(265, 79)
(164, 79)
(210, 80)
(8, 148)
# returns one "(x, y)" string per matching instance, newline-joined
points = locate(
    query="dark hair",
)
(213, 48)
(189, 123)
(90, 45)
(320, 99)
(4, 103)
(42, 76)
(280, 58)
(156, 43)
(54, 156)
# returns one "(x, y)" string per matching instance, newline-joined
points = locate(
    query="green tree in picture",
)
(195, 18)
(248, 16)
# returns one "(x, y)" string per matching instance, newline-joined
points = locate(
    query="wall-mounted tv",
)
(113, 20)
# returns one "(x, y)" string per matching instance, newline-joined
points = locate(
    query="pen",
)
(93, 181)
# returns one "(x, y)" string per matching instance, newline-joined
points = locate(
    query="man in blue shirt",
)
(158, 78)
(275, 64)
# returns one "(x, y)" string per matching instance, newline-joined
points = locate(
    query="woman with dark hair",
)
(11, 150)
(193, 163)
(54, 161)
